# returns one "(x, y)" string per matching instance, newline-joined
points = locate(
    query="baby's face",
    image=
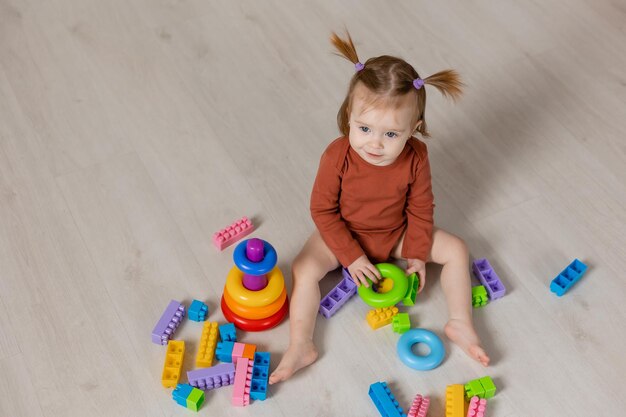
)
(377, 133)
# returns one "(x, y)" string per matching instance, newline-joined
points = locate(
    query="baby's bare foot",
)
(295, 358)
(463, 334)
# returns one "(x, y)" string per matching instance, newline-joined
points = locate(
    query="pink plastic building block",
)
(238, 351)
(477, 407)
(243, 378)
(419, 408)
(239, 229)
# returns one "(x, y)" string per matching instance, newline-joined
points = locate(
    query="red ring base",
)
(250, 325)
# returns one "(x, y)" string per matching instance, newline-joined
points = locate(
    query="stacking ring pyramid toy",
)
(255, 297)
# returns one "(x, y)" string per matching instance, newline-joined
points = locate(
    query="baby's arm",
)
(418, 239)
(332, 227)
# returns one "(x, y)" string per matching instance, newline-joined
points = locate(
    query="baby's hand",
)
(419, 266)
(361, 269)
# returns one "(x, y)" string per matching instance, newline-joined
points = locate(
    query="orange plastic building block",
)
(239, 229)
(208, 341)
(173, 363)
(381, 316)
(248, 351)
(455, 401)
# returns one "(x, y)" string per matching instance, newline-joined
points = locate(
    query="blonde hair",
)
(389, 79)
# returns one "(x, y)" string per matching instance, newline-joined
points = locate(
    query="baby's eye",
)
(391, 135)
(364, 129)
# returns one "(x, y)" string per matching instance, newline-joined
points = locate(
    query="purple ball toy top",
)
(254, 250)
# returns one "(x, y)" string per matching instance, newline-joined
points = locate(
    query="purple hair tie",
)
(418, 83)
(358, 66)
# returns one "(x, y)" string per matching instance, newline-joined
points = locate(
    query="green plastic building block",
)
(479, 296)
(489, 386)
(195, 399)
(401, 322)
(482, 388)
(411, 292)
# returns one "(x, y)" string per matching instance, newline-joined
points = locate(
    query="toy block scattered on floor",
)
(401, 322)
(486, 275)
(214, 377)
(481, 387)
(237, 351)
(479, 296)
(380, 317)
(338, 296)
(198, 311)
(173, 363)
(168, 323)
(206, 349)
(260, 375)
(188, 396)
(228, 332)
(455, 401)
(248, 351)
(384, 400)
(236, 231)
(568, 277)
(224, 351)
(419, 408)
(241, 387)
(477, 407)
(411, 292)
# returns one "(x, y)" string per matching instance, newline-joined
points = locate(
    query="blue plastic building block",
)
(260, 375)
(188, 396)
(488, 278)
(228, 333)
(224, 351)
(338, 296)
(198, 311)
(181, 392)
(385, 401)
(568, 277)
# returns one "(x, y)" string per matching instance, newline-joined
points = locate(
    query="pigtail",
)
(448, 82)
(344, 47)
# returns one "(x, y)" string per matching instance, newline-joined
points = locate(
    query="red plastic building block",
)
(477, 407)
(419, 408)
(239, 229)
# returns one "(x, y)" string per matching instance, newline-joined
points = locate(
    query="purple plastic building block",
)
(168, 323)
(214, 377)
(338, 296)
(488, 278)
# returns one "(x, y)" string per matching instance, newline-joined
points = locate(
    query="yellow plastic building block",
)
(381, 316)
(208, 340)
(455, 401)
(173, 363)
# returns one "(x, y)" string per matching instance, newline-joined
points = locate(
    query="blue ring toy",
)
(421, 363)
(255, 268)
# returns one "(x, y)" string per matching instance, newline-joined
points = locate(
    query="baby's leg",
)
(313, 262)
(451, 252)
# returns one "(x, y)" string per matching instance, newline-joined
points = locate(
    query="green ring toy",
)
(388, 299)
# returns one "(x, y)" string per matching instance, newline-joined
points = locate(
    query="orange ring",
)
(254, 313)
(255, 325)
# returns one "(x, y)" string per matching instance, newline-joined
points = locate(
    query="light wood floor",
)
(131, 130)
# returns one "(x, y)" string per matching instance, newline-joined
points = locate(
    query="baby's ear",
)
(417, 125)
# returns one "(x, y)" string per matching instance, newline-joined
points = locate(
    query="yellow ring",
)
(255, 313)
(243, 296)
